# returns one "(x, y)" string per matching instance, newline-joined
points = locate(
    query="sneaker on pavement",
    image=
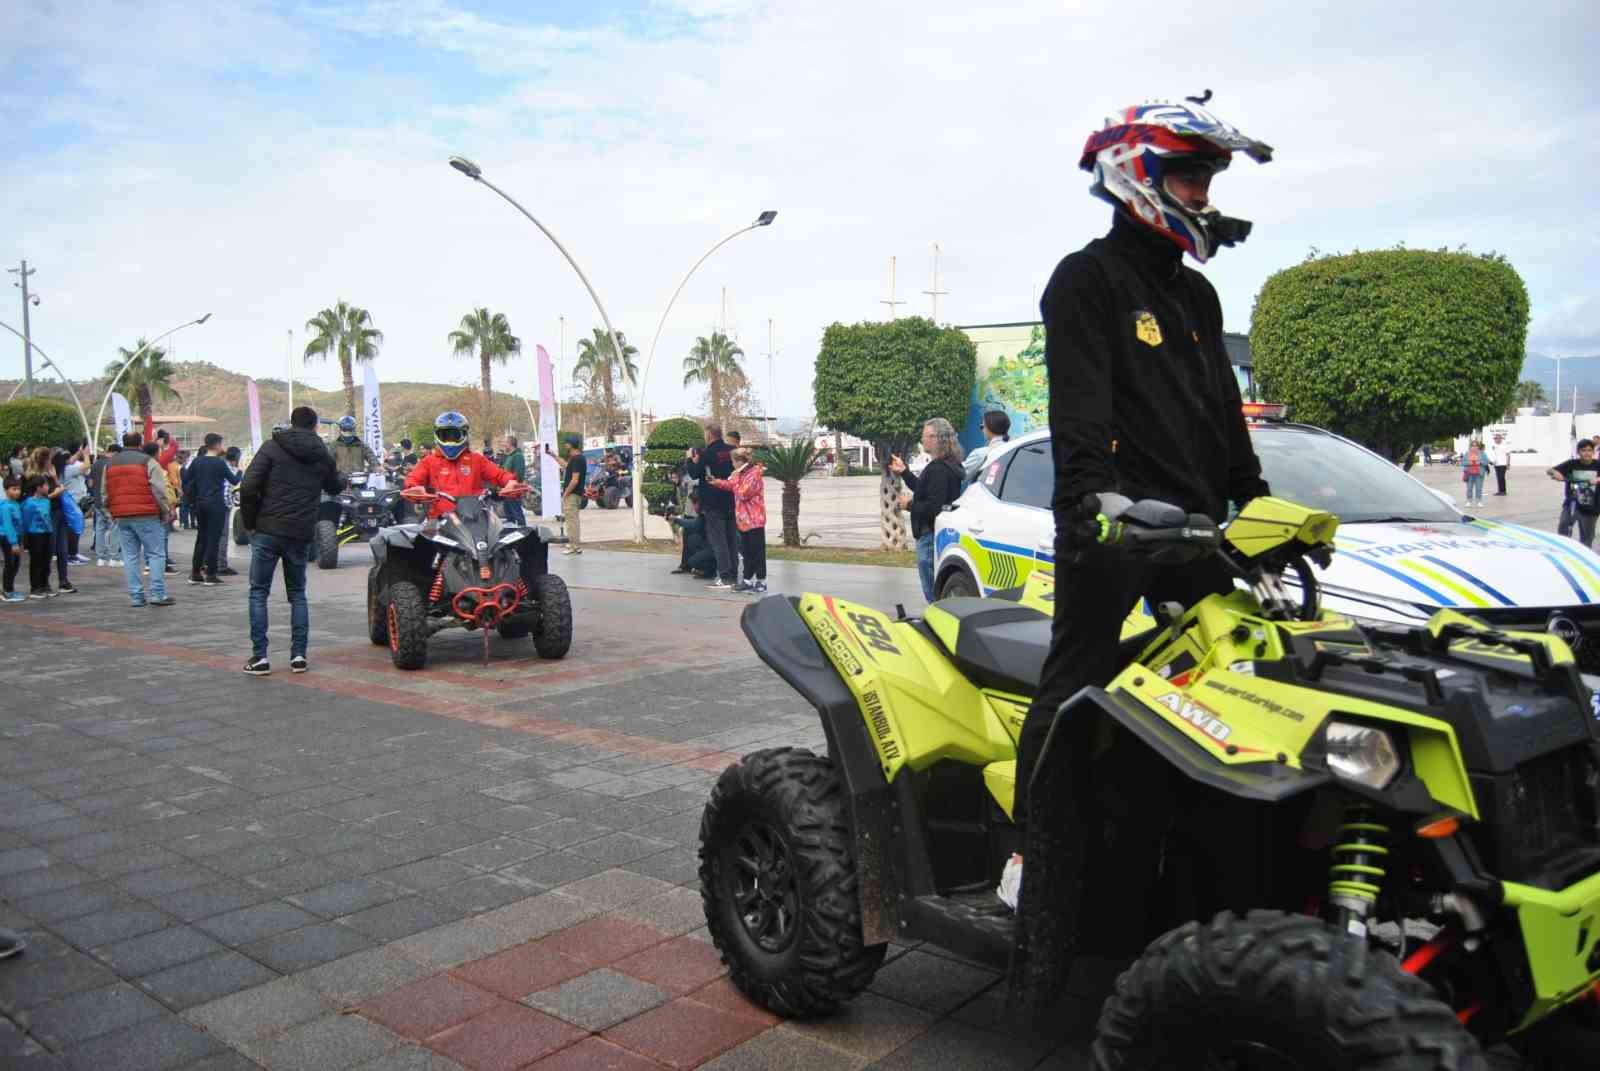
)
(101, 563)
(66, 589)
(165, 600)
(212, 580)
(227, 571)
(171, 568)
(743, 585)
(297, 664)
(678, 570)
(14, 596)
(77, 559)
(258, 667)
(194, 578)
(41, 594)
(760, 587)
(720, 585)
(140, 605)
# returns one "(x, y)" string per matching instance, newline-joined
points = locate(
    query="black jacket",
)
(937, 487)
(716, 458)
(1143, 399)
(205, 481)
(283, 485)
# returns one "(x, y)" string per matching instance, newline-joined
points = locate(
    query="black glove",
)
(1080, 528)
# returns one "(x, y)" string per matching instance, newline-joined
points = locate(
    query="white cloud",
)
(267, 164)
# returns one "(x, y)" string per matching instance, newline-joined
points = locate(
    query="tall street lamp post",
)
(763, 220)
(87, 433)
(112, 386)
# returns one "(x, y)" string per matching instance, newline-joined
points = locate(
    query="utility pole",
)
(772, 394)
(289, 362)
(561, 364)
(27, 329)
(891, 302)
(935, 292)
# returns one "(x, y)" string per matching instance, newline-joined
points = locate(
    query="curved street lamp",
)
(87, 433)
(763, 220)
(136, 355)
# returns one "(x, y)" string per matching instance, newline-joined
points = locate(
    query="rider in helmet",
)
(454, 467)
(350, 454)
(1143, 399)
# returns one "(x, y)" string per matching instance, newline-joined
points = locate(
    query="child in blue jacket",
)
(11, 537)
(38, 532)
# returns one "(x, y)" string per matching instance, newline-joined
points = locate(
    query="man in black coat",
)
(716, 505)
(278, 502)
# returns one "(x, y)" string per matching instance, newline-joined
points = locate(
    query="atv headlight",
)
(1361, 754)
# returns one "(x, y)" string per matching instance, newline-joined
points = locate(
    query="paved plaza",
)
(481, 867)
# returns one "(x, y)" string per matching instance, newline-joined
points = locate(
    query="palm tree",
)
(1530, 392)
(710, 361)
(490, 336)
(598, 362)
(148, 378)
(789, 465)
(347, 332)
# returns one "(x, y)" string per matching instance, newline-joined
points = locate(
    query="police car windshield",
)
(1355, 486)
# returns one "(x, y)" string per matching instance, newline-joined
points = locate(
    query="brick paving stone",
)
(225, 1061)
(425, 1007)
(205, 901)
(952, 1046)
(368, 974)
(157, 951)
(683, 1034)
(206, 979)
(537, 916)
(306, 947)
(511, 819)
(452, 944)
(564, 832)
(496, 853)
(932, 983)
(679, 966)
(307, 874)
(604, 940)
(614, 888)
(105, 927)
(255, 1013)
(154, 1045)
(72, 972)
(505, 1039)
(57, 875)
(426, 874)
(83, 899)
(131, 860)
(516, 972)
(77, 1018)
(675, 911)
(401, 918)
(597, 999)
(249, 924)
(347, 896)
(869, 1026)
(780, 1050)
(676, 865)
(153, 884)
(723, 995)
(554, 869)
(408, 1059)
(595, 1054)
(331, 1043)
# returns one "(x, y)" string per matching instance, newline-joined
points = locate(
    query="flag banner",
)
(253, 399)
(371, 411)
(549, 467)
(121, 417)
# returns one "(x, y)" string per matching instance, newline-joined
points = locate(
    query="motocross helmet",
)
(450, 432)
(1132, 155)
(347, 425)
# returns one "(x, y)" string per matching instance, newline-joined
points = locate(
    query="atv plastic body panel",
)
(1561, 932)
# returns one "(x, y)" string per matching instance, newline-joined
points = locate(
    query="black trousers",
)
(1093, 596)
(210, 518)
(753, 547)
(1500, 479)
(12, 564)
(724, 540)
(41, 546)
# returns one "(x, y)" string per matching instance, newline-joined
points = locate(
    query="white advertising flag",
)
(371, 411)
(549, 468)
(121, 418)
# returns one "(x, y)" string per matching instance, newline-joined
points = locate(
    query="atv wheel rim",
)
(763, 886)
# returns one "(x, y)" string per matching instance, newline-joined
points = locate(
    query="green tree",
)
(489, 337)
(1529, 392)
(883, 381)
(149, 377)
(712, 362)
(789, 464)
(599, 364)
(37, 422)
(345, 331)
(1393, 348)
(663, 452)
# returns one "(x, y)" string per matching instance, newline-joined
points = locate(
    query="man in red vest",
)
(137, 498)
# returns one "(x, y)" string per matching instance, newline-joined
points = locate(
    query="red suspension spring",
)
(437, 590)
(522, 589)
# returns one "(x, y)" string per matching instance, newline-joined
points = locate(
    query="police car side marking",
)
(1531, 538)
(1438, 598)
(1441, 563)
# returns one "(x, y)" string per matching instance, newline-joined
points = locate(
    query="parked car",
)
(1404, 549)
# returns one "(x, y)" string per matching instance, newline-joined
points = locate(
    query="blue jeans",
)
(266, 551)
(925, 565)
(144, 539)
(1474, 487)
(106, 544)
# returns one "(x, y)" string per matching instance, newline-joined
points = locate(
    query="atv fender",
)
(780, 637)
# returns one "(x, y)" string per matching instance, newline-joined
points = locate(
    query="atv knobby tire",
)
(553, 636)
(377, 612)
(516, 630)
(408, 625)
(1291, 983)
(327, 545)
(796, 796)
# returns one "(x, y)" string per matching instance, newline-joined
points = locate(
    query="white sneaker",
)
(720, 585)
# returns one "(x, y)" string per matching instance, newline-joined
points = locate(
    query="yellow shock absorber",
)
(1356, 876)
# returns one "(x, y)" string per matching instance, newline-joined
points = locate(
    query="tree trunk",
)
(791, 513)
(147, 409)
(892, 518)
(488, 394)
(611, 403)
(716, 401)
(349, 385)
(841, 467)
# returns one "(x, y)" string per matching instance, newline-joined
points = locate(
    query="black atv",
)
(465, 569)
(356, 513)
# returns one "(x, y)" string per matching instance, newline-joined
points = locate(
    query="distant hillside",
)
(206, 390)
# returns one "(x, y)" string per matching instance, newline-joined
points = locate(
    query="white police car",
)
(1404, 549)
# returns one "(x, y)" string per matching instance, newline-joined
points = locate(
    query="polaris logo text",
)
(1196, 715)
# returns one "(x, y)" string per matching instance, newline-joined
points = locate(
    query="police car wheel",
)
(958, 584)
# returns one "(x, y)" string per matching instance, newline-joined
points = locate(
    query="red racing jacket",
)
(469, 474)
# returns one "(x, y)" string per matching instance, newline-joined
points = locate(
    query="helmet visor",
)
(450, 435)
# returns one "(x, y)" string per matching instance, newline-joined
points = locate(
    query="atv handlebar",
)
(422, 494)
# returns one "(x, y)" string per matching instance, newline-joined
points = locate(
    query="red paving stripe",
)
(709, 759)
(525, 675)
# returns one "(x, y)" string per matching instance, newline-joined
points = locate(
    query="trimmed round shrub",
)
(38, 422)
(663, 450)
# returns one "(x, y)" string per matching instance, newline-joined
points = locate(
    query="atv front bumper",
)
(1561, 933)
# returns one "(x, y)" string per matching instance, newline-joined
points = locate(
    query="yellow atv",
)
(1394, 834)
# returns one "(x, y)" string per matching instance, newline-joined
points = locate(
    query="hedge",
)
(663, 450)
(38, 422)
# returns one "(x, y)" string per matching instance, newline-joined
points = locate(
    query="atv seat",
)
(1001, 645)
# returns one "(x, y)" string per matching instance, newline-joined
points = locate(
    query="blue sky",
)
(261, 161)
